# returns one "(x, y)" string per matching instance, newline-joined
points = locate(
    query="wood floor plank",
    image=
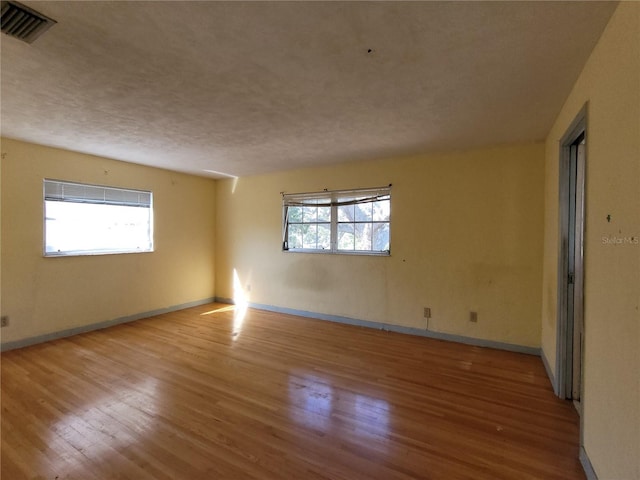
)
(195, 395)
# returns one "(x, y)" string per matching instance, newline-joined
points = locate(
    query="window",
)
(91, 220)
(346, 221)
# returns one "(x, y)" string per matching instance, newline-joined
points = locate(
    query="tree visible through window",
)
(346, 221)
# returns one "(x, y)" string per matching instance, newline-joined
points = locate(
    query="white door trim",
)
(564, 340)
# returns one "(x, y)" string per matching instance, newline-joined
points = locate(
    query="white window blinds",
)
(55, 190)
(336, 198)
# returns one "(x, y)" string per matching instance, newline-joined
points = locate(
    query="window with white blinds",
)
(341, 221)
(83, 219)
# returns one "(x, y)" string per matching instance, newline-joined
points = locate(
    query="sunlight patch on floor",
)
(229, 308)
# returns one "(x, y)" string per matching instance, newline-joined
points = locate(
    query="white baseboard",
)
(586, 465)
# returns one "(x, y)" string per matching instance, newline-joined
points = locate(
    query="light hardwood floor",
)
(179, 396)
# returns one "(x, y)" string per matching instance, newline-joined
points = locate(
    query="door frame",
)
(564, 339)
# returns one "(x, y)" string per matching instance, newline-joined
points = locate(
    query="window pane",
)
(324, 236)
(324, 214)
(380, 236)
(310, 237)
(295, 236)
(346, 213)
(96, 228)
(364, 212)
(295, 214)
(309, 214)
(381, 210)
(346, 236)
(363, 236)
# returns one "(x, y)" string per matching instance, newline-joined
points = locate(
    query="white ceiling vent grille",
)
(22, 22)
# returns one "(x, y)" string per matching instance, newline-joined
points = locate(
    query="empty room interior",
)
(320, 240)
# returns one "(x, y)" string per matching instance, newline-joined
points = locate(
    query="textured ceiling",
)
(248, 88)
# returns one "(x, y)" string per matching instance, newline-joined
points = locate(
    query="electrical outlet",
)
(473, 317)
(427, 312)
(4, 321)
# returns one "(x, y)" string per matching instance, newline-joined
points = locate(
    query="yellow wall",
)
(44, 295)
(610, 82)
(466, 235)
(1, 156)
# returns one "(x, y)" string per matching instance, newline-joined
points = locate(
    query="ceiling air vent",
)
(22, 22)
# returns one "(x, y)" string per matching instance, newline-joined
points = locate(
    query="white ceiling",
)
(248, 88)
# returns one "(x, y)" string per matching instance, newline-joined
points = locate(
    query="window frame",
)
(335, 199)
(54, 191)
